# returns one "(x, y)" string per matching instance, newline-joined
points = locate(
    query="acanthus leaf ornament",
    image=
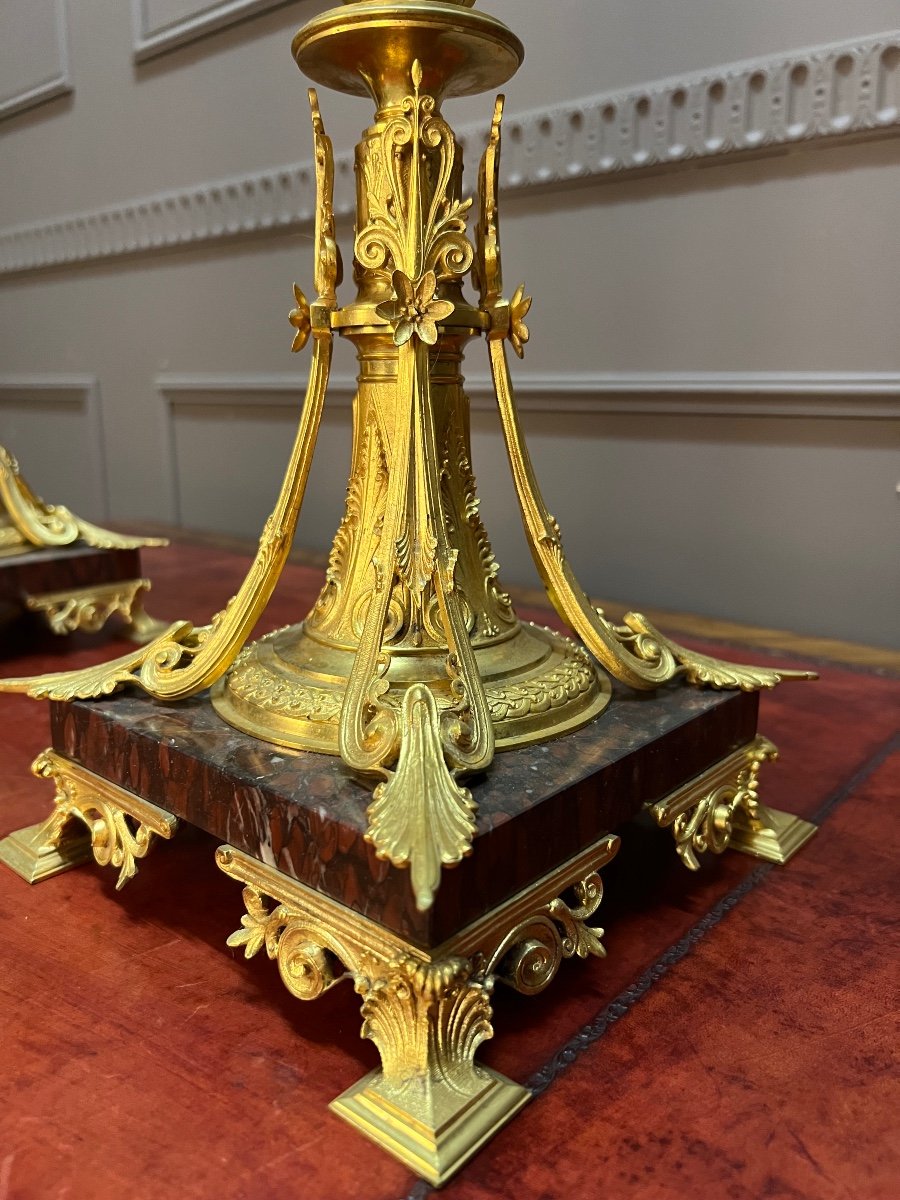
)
(119, 835)
(258, 925)
(493, 609)
(701, 669)
(26, 520)
(427, 1012)
(328, 269)
(581, 939)
(413, 665)
(704, 814)
(530, 955)
(427, 1020)
(488, 267)
(405, 232)
(90, 608)
(88, 683)
(307, 969)
(423, 243)
(421, 817)
(411, 605)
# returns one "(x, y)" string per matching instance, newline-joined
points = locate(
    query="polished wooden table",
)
(738, 1040)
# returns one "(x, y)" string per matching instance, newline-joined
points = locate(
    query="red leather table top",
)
(738, 1041)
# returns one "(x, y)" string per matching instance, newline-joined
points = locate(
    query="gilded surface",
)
(412, 665)
(575, 677)
(502, 946)
(305, 966)
(338, 612)
(287, 697)
(413, 615)
(492, 610)
(703, 814)
(426, 1013)
(185, 660)
(12, 540)
(25, 520)
(427, 1020)
(635, 652)
(421, 817)
(415, 238)
(122, 826)
(88, 609)
(416, 224)
(569, 678)
(529, 956)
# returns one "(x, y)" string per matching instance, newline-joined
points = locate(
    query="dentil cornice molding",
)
(802, 98)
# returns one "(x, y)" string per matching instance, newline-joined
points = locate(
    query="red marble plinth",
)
(304, 814)
(45, 570)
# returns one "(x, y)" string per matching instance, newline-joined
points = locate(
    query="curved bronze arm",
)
(185, 660)
(38, 524)
(635, 653)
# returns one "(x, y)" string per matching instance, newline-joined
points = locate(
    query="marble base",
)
(44, 572)
(305, 815)
(326, 910)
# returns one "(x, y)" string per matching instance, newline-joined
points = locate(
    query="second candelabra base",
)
(70, 589)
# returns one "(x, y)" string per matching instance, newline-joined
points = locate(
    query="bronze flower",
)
(415, 310)
(518, 311)
(299, 318)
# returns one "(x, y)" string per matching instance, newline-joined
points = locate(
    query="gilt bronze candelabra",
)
(413, 667)
(72, 573)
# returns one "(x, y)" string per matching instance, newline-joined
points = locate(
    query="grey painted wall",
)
(678, 496)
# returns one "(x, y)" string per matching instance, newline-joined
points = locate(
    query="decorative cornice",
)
(808, 394)
(803, 98)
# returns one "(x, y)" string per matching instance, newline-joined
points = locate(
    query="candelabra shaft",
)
(412, 665)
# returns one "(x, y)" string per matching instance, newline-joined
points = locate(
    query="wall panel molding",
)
(153, 36)
(803, 98)
(79, 392)
(808, 394)
(53, 77)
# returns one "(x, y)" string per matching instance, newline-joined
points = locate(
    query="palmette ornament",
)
(412, 665)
